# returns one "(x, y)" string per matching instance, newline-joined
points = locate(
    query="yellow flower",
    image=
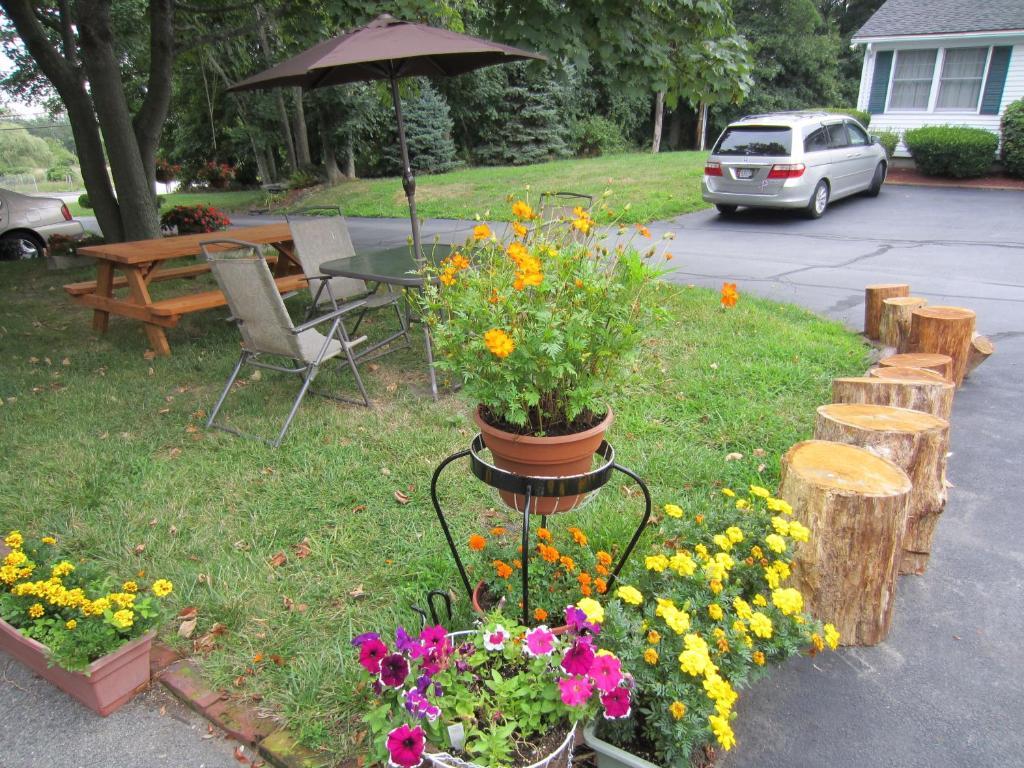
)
(653, 637)
(831, 636)
(678, 621)
(657, 563)
(722, 542)
(728, 492)
(817, 643)
(518, 229)
(757, 490)
(715, 585)
(798, 532)
(682, 563)
(789, 600)
(771, 578)
(522, 210)
(499, 343)
(742, 607)
(759, 600)
(122, 599)
(723, 732)
(672, 510)
(630, 595)
(780, 525)
(735, 534)
(782, 568)
(760, 625)
(15, 558)
(742, 504)
(62, 569)
(702, 551)
(48, 540)
(447, 277)
(592, 608)
(651, 656)
(70, 624)
(715, 611)
(14, 540)
(130, 586)
(123, 619)
(36, 610)
(775, 543)
(481, 232)
(162, 587)
(779, 505)
(677, 709)
(695, 660)
(720, 691)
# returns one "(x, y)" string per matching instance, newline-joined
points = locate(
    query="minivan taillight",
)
(712, 169)
(786, 171)
(65, 212)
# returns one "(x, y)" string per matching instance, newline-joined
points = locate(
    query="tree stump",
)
(855, 504)
(874, 295)
(944, 331)
(981, 349)
(894, 327)
(941, 364)
(902, 373)
(934, 397)
(914, 441)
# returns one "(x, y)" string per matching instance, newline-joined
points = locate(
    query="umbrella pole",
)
(408, 180)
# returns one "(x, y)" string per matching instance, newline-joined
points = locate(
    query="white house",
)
(941, 62)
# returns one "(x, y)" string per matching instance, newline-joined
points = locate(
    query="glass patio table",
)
(395, 267)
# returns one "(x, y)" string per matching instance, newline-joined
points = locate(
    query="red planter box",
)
(110, 682)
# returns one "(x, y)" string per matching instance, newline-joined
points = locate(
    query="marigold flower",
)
(831, 636)
(592, 609)
(760, 625)
(578, 536)
(654, 637)
(817, 643)
(585, 590)
(715, 611)
(758, 658)
(499, 343)
(630, 595)
(130, 587)
(477, 542)
(775, 543)
(583, 578)
(544, 534)
(798, 532)
(481, 232)
(70, 624)
(757, 490)
(729, 295)
(549, 554)
(656, 563)
(503, 569)
(539, 614)
(651, 656)
(715, 585)
(568, 563)
(48, 540)
(497, 531)
(742, 504)
(603, 557)
(760, 601)
(600, 585)
(62, 569)
(677, 709)
(36, 610)
(14, 540)
(723, 732)
(673, 510)
(123, 619)
(162, 587)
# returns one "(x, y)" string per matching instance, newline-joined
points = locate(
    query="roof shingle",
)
(936, 17)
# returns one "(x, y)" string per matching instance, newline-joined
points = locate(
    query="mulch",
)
(916, 178)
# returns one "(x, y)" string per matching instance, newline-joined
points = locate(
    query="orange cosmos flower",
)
(499, 343)
(481, 232)
(644, 231)
(729, 295)
(522, 210)
(519, 229)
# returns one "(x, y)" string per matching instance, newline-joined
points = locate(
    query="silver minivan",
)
(792, 160)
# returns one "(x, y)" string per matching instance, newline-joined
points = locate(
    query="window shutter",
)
(880, 82)
(997, 69)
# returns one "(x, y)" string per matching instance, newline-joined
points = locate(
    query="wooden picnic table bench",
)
(145, 261)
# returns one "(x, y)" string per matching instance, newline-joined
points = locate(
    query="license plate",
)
(744, 173)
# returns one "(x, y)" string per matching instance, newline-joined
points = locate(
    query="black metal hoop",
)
(570, 485)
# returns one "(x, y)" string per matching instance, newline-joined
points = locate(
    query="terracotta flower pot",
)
(110, 681)
(559, 456)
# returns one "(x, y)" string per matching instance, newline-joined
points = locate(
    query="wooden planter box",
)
(110, 682)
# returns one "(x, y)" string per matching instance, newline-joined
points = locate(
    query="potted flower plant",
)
(71, 625)
(500, 695)
(194, 219)
(706, 612)
(217, 175)
(166, 171)
(536, 327)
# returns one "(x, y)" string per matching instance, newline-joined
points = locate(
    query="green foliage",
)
(60, 173)
(77, 611)
(10, 250)
(538, 328)
(951, 150)
(864, 118)
(428, 130)
(84, 202)
(889, 140)
(1013, 138)
(21, 150)
(596, 135)
(303, 178)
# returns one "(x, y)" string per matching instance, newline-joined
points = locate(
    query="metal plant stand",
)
(529, 488)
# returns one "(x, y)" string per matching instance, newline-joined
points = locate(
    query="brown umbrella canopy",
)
(387, 49)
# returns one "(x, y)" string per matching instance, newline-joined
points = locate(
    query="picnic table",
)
(142, 262)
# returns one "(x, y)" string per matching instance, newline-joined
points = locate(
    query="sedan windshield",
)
(762, 140)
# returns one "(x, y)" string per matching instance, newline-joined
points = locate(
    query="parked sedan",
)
(792, 160)
(30, 221)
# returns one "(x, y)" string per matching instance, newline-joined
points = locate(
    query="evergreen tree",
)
(531, 124)
(428, 131)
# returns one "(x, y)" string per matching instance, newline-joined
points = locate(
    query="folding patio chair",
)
(557, 207)
(321, 238)
(267, 329)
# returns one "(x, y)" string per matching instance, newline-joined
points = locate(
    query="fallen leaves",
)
(291, 605)
(358, 593)
(401, 498)
(208, 641)
(279, 559)
(303, 549)
(138, 549)
(733, 456)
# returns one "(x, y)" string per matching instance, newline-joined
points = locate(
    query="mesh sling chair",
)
(321, 238)
(556, 207)
(267, 329)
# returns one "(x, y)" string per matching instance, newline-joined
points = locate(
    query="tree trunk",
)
(272, 165)
(902, 373)
(301, 132)
(136, 201)
(855, 504)
(702, 125)
(894, 328)
(944, 331)
(282, 112)
(935, 397)
(981, 349)
(873, 297)
(941, 364)
(350, 157)
(334, 175)
(659, 115)
(675, 127)
(914, 441)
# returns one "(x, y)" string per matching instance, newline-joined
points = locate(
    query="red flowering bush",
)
(194, 219)
(166, 171)
(216, 173)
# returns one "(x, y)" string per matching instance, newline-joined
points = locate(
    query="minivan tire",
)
(726, 210)
(29, 245)
(876, 181)
(818, 202)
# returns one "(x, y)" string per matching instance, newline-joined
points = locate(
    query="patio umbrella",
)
(387, 49)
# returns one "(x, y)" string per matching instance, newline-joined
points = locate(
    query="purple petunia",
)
(419, 706)
(616, 704)
(403, 642)
(366, 636)
(393, 670)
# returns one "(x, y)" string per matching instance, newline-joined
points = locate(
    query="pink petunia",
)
(371, 653)
(539, 642)
(616, 704)
(434, 638)
(494, 640)
(393, 670)
(405, 746)
(578, 659)
(574, 690)
(606, 672)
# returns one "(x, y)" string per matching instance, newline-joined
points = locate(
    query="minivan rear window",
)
(769, 141)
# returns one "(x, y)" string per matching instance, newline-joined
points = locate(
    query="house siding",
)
(900, 121)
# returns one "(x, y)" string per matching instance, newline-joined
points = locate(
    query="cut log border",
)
(980, 351)
(929, 361)
(934, 397)
(944, 331)
(873, 297)
(894, 328)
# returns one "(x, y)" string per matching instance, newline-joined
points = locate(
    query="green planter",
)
(609, 756)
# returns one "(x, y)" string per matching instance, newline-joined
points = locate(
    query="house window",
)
(962, 73)
(912, 79)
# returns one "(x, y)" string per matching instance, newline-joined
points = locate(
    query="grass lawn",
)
(235, 200)
(657, 187)
(106, 450)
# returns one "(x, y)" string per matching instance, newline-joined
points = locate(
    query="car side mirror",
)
(875, 139)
